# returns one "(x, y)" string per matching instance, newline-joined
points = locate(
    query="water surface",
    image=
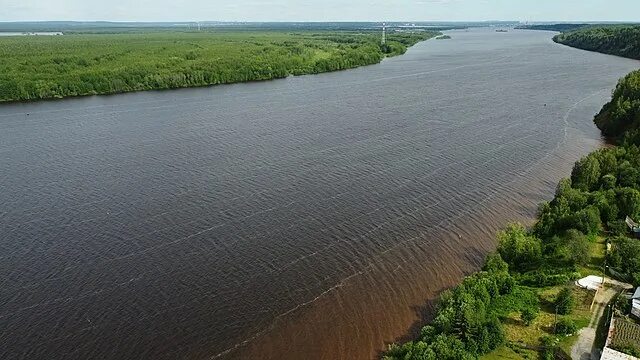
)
(312, 217)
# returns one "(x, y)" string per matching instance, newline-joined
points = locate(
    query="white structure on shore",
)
(635, 303)
(634, 227)
(590, 282)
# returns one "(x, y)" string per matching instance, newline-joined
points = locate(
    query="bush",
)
(542, 278)
(549, 345)
(566, 327)
(528, 315)
(622, 305)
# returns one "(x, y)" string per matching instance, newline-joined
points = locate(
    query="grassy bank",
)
(43, 67)
(529, 306)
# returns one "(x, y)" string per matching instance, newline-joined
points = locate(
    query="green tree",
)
(528, 315)
(609, 181)
(625, 256)
(519, 249)
(586, 173)
(495, 264)
(628, 202)
(565, 301)
(628, 175)
(577, 247)
(586, 220)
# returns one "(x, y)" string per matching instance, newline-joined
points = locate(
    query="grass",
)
(596, 262)
(509, 353)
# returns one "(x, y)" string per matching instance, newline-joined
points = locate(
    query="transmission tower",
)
(384, 33)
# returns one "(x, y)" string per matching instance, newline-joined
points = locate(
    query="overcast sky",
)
(320, 10)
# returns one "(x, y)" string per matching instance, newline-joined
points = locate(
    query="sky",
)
(320, 10)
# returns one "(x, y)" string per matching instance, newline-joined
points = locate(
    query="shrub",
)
(565, 301)
(566, 327)
(528, 315)
(549, 345)
(542, 278)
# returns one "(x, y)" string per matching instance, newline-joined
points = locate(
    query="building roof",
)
(636, 295)
(610, 354)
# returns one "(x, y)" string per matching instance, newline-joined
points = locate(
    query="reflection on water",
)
(313, 217)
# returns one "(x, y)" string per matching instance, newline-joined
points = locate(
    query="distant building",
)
(634, 227)
(635, 303)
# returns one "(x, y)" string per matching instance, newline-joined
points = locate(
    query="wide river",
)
(313, 217)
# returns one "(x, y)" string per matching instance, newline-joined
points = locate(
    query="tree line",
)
(621, 40)
(42, 67)
(621, 116)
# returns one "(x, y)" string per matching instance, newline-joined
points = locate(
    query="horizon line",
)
(318, 21)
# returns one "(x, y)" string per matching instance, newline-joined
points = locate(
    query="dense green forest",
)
(621, 40)
(41, 67)
(587, 212)
(622, 114)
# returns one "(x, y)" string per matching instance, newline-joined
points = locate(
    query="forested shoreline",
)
(620, 40)
(530, 273)
(45, 67)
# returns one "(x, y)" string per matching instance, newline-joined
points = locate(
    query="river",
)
(313, 217)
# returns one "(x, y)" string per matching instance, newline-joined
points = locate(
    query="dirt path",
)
(584, 347)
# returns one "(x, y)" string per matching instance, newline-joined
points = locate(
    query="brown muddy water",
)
(314, 217)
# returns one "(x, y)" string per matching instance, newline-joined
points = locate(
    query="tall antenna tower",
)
(384, 33)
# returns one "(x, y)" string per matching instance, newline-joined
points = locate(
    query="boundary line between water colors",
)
(434, 227)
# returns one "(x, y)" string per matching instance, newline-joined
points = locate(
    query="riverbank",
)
(510, 309)
(605, 39)
(35, 68)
